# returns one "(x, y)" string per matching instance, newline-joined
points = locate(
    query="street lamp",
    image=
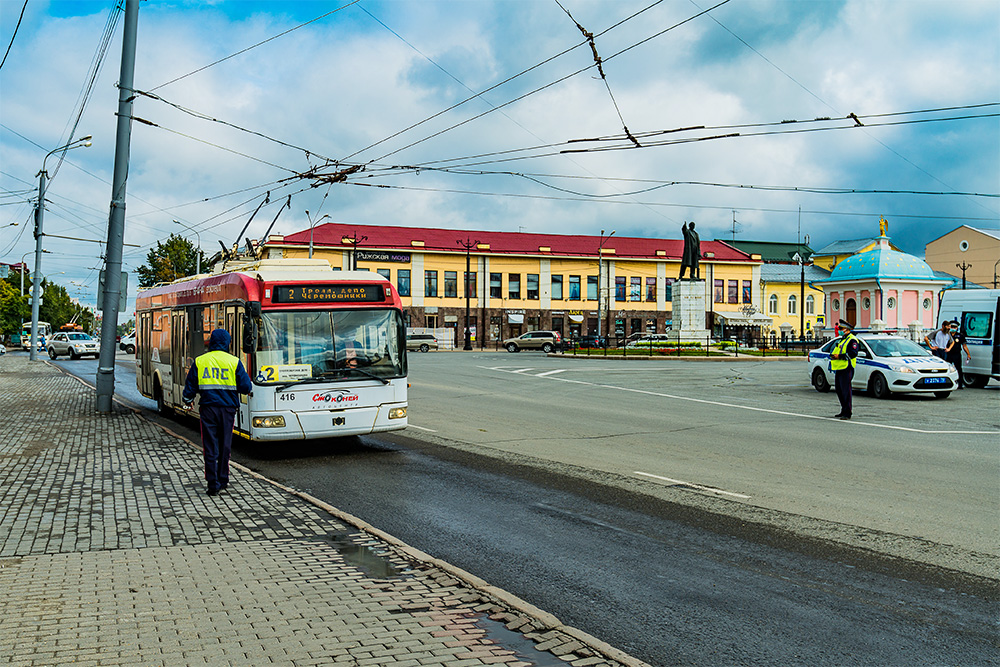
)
(39, 214)
(995, 273)
(311, 225)
(964, 268)
(198, 253)
(468, 245)
(802, 295)
(600, 264)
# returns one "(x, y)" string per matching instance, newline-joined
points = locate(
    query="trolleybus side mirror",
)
(250, 316)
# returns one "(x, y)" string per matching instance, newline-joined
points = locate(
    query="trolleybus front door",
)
(178, 356)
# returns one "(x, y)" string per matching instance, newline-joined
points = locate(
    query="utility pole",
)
(468, 245)
(600, 267)
(116, 220)
(964, 268)
(36, 284)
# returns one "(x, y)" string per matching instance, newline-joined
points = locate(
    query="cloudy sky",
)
(493, 115)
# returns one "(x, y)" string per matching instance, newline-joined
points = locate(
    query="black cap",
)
(845, 324)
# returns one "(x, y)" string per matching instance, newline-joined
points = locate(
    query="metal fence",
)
(761, 346)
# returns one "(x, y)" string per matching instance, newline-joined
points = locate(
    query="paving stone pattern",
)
(112, 554)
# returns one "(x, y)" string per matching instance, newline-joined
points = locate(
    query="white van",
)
(978, 312)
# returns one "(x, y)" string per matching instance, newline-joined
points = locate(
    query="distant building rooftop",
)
(772, 251)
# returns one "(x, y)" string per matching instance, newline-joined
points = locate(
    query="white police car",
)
(887, 365)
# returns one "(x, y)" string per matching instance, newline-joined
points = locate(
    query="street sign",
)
(122, 295)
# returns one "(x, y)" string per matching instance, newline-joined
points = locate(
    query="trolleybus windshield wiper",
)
(363, 372)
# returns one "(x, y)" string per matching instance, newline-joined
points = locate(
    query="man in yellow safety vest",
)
(219, 377)
(843, 359)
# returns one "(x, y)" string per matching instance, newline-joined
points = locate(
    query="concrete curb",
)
(542, 620)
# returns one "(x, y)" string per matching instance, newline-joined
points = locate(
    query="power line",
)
(261, 43)
(497, 85)
(660, 204)
(23, 7)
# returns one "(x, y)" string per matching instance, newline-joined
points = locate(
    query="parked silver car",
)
(422, 342)
(546, 341)
(73, 343)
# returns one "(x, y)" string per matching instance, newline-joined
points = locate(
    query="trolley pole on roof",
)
(116, 220)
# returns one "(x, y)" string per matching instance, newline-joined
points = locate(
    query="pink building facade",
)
(883, 289)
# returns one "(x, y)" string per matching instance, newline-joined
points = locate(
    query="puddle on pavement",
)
(363, 558)
(522, 647)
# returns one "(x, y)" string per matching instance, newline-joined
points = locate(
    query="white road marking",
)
(421, 428)
(698, 487)
(852, 422)
(547, 373)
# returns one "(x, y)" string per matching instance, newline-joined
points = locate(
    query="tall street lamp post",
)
(197, 252)
(600, 271)
(468, 245)
(39, 215)
(964, 268)
(312, 225)
(802, 295)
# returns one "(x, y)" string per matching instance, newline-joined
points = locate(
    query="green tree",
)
(57, 308)
(13, 308)
(174, 258)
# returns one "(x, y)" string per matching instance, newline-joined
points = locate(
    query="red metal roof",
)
(513, 243)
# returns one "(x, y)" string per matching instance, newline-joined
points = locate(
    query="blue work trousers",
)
(217, 444)
(842, 382)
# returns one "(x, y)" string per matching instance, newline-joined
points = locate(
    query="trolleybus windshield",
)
(330, 345)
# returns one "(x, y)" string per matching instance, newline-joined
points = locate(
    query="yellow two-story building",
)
(518, 282)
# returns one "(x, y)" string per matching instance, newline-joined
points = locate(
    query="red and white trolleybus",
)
(326, 350)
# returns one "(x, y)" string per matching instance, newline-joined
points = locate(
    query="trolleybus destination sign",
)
(327, 293)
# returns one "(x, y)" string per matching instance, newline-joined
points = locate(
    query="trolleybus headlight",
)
(269, 422)
(397, 413)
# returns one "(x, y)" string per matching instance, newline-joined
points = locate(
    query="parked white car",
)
(73, 343)
(127, 343)
(887, 365)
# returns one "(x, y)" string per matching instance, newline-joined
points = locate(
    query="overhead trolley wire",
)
(7, 52)
(494, 87)
(254, 46)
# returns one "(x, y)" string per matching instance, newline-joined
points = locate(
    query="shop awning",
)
(739, 319)
(515, 318)
(575, 318)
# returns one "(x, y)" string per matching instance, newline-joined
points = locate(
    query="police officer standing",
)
(219, 377)
(843, 359)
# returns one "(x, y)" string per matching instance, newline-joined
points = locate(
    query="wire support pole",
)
(116, 221)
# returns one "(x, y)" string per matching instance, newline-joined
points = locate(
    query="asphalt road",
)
(524, 474)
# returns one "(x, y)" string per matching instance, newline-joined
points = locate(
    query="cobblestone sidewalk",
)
(112, 554)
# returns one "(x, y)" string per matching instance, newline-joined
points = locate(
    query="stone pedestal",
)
(689, 312)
